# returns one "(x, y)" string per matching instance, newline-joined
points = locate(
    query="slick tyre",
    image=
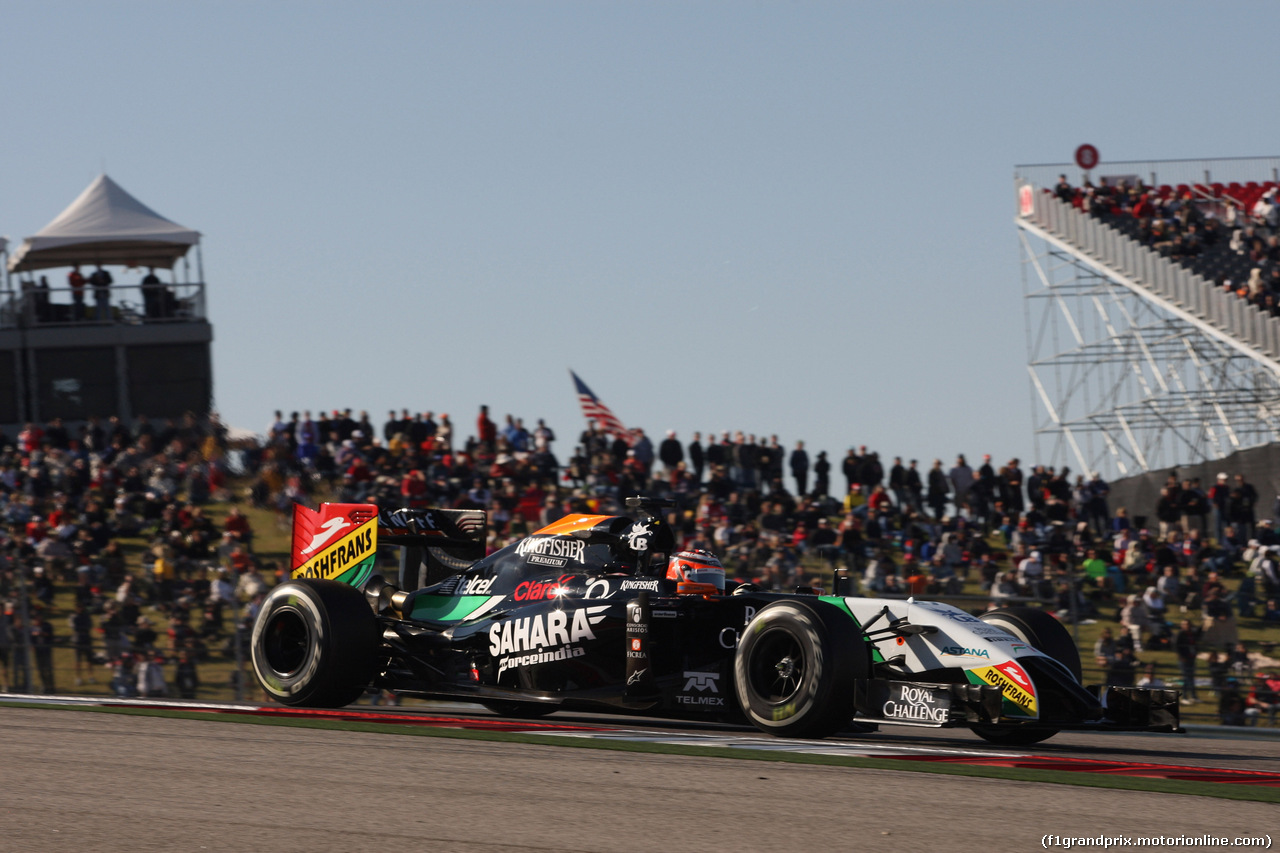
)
(1040, 631)
(795, 668)
(1044, 634)
(315, 643)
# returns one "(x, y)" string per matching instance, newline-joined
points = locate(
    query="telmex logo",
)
(702, 681)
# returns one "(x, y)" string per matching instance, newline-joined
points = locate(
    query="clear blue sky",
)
(791, 217)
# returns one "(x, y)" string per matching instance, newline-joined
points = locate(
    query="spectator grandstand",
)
(1227, 233)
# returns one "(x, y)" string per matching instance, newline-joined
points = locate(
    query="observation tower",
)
(134, 343)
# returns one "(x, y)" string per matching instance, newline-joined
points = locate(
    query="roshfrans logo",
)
(962, 652)
(342, 555)
(1013, 682)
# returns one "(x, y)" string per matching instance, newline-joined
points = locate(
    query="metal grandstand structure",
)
(1136, 363)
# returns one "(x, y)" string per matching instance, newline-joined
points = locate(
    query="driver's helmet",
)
(700, 567)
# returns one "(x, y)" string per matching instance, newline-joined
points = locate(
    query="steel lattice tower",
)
(1124, 380)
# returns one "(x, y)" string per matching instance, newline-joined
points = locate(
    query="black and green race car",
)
(581, 615)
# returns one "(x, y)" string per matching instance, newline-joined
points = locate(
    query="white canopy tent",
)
(105, 225)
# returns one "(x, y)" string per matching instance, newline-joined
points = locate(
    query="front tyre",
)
(315, 643)
(1042, 632)
(795, 669)
(1045, 634)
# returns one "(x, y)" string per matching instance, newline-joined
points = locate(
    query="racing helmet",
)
(696, 567)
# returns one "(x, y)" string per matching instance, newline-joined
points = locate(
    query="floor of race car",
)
(1119, 754)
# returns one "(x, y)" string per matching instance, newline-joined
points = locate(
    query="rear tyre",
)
(315, 643)
(520, 710)
(795, 669)
(1044, 634)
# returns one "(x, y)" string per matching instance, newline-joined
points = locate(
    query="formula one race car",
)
(596, 612)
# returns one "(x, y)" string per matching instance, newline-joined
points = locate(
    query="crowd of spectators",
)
(70, 500)
(1233, 240)
(777, 517)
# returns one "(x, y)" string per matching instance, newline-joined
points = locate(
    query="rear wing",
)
(434, 543)
(340, 542)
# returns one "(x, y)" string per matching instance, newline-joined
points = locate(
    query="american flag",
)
(596, 411)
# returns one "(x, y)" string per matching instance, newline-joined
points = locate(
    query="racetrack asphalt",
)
(79, 781)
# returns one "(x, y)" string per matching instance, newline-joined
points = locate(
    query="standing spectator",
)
(155, 296)
(391, 428)
(1186, 644)
(697, 458)
(777, 459)
(81, 624)
(1097, 512)
(1219, 496)
(898, 483)
(849, 467)
(41, 634)
(670, 453)
(101, 281)
(543, 435)
(1036, 487)
(961, 478)
(486, 429)
(1168, 513)
(1194, 504)
(444, 434)
(939, 491)
(6, 644)
(75, 280)
(1243, 503)
(799, 462)
(1011, 487)
(643, 452)
(913, 485)
(822, 475)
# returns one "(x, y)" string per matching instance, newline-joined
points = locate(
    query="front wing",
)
(915, 703)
